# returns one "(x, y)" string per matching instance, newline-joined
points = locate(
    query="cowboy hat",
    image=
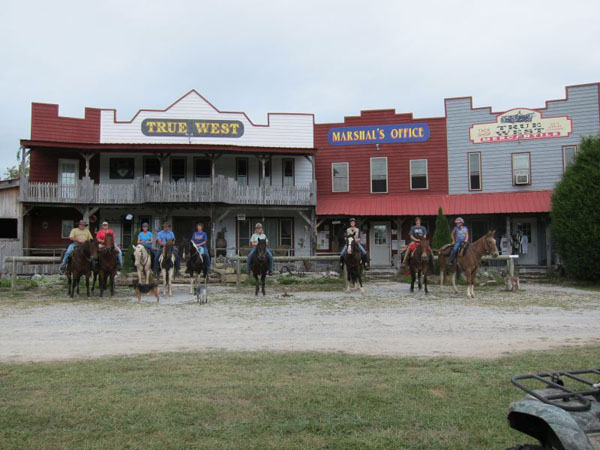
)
(258, 225)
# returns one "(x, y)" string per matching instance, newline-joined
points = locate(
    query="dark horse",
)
(469, 261)
(80, 264)
(107, 266)
(199, 265)
(259, 265)
(420, 262)
(166, 266)
(352, 260)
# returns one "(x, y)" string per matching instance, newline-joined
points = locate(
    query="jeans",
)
(159, 252)
(70, 249)
(269, 255)
(360, 247)
(204, 252)
(455, 251)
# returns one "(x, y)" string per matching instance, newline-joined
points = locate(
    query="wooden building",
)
(11, 223)
(185, 163)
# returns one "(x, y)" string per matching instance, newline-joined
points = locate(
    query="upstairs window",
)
(521, 169)
(474, 171)
(418, 174)
(202, 169)
(241, 171)
(379, 175)
(178, 167)
(569, 152)
(339, 177)
(288, 172)
(122, 168)
(152, 167)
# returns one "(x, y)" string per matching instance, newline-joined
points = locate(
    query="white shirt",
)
(255, 237)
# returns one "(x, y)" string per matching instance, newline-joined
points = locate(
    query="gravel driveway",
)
(386, 321)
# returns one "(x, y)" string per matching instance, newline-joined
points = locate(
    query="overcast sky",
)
(332, 58)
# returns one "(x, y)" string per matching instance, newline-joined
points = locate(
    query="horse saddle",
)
(463, 248)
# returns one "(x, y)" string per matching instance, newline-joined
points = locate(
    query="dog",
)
(145, 289)
(201, 294)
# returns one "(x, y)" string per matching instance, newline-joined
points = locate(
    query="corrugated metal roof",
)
(427, 205)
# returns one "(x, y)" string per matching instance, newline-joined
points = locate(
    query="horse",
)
(80, 264)
(468, 260)
(352, 260)
(166, 265)
(420, 262)
(142, 262)
(259, 266)
(199, 265)
(108, 262)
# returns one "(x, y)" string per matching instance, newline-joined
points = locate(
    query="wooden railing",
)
(145, 190)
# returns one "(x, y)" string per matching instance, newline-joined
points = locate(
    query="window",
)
(379, 175)
(569, 152)
(339, 176)
(121, 168)
(268, 181)
(65, 228)
(521, 168)
(285, 233)
(126, 232)
(241, 171)
(474, 171)
(151, 167)
(178, 167)
(288, 172)
(202, 169)
(279, 231)
(418, 174)
(8, 228)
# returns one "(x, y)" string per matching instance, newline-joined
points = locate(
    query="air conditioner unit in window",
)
(521, 178)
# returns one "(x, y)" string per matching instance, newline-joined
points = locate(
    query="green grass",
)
(267, 400)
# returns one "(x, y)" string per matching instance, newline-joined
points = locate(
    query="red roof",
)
(427, 205)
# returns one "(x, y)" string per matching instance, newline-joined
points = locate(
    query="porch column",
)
(508, 233)
(87, 157)
(24, 154)
(548, 245)
(162, 158)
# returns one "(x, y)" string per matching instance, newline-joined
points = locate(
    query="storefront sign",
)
(193, 128)
(379, 134)
(520, 124)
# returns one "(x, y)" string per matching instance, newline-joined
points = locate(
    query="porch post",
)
(508, 233)
(87, 157)
(24, 153)
(548, 246)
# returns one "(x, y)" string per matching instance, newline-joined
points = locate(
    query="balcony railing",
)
(145, 190)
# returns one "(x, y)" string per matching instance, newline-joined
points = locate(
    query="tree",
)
(441, 236)
(575, 215)
(13, 172)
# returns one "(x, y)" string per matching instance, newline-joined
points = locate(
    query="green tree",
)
(575, 215)
(442, 231)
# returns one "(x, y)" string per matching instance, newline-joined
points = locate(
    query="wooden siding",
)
(580, 104)
(43, 165)
(51, 236)
(47, 125)
(398, 155)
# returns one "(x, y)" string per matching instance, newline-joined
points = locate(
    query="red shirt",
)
(101, 235)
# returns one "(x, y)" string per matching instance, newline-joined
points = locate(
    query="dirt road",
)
(386, 321)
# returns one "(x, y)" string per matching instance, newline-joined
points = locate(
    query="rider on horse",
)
(78, 236)
(101, 237)
(460, 235)
(258, 234)
(162, 237)
(354, 230)
(199, 239)
(146, 238)
(416, 233)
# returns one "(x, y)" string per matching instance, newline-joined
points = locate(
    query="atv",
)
(561, 410)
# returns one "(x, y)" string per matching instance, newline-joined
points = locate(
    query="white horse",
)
(143, 263)
(166, 263)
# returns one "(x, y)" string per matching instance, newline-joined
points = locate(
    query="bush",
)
(575, 215)
(441, 236)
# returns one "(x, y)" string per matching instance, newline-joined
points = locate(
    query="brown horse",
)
(80, 264)
(468, 262)
(352, 260)
(420, 262)
(107, 265)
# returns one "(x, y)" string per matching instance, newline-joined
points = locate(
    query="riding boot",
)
(341, 261)
(365, 262)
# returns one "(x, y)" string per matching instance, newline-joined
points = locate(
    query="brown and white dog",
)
(145, 289)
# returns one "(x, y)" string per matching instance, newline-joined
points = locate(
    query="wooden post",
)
(13, 276)
(548, 246)
(238, 275)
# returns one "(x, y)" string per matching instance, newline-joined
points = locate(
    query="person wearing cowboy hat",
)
(258, 234)
(354, 230)
(460, 234)
(161, 238)
(78, 236)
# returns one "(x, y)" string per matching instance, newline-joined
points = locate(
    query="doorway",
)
(380, 244)
(183, 227)
(68, 174)
(528, 254)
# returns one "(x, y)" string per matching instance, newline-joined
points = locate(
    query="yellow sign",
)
(193, 128)
(520, 124)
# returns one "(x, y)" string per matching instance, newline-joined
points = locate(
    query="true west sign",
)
(520, 124)
(379, 134)
(193, 128)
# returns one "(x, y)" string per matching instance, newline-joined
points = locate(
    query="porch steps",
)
(531, 272)
(387, 273)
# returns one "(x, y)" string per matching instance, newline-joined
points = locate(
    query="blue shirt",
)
(145, 238)
(199, 236)
(164, 236)
(460, 234)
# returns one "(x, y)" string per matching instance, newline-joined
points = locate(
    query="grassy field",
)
(267, 400)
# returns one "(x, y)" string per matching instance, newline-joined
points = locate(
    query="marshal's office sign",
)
(193, 128)
(379, 134)
(520, 124)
